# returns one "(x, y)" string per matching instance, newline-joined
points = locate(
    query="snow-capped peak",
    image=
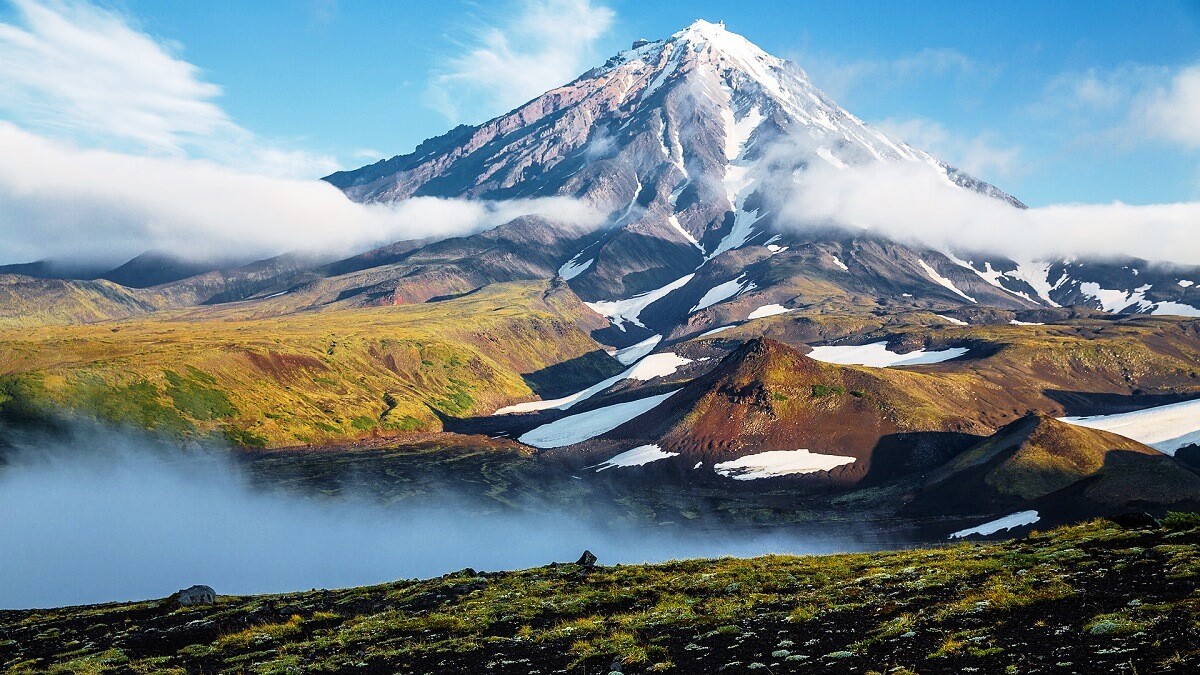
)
(704, 33)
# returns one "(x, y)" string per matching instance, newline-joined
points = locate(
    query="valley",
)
(795, 393)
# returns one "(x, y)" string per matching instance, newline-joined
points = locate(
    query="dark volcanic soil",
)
(1087, 599)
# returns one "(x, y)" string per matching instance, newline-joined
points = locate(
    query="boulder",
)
(588, 559)
(194, 595)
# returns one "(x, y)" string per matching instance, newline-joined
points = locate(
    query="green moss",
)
(404, 423)
(459, 402)
(192, 395)
(244, 437)
(23, 400)
(943, 608)
(823, 390)
(1180, 521)
(137, 403)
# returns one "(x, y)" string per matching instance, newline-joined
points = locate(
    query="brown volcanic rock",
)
(1067, 469)
(677, 140)
(768, 396)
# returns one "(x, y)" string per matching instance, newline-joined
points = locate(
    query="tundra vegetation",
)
(1085, 598)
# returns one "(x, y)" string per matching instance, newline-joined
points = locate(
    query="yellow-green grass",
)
(1010, 369)
(308, 377)
(1093, 594)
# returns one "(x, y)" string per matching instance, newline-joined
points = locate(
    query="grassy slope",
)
(1090, 598)
(25, 301)
(300, 378)
(1013, 368)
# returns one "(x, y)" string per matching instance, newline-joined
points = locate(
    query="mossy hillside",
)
(767, 395)
(26, 302)
(1010, 369)
(302, 378)
(1089, 598)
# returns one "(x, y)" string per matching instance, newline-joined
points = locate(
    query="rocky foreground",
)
(1097, 597)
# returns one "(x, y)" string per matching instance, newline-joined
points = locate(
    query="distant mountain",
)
(154, 268)
(1039, 462)
(56, 269)
(682, 140)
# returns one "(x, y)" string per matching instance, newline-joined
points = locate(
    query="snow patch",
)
(838, 261)
(588, 425)
(655, 365)
(1186, 283)
(1116, 301)
(825, 154)
(989, 274)
(943, 281)
(674, 221)
(639, 456)
(737, 133)
(1006, 523)
(956, 322)
(779, 463)
(572, 269)
(877, 355)
(1017, 322)
(628, 310)
(767, 310)
(1165, 428)
(722, 292)
(634, 352)
(717, 330)
(1175, 308)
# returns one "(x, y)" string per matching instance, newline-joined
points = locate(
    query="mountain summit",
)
(682, 142)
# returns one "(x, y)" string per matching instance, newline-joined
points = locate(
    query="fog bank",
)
(106, 516)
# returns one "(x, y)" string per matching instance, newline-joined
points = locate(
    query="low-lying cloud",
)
(912, 203)
(64, 202)
(110, 516)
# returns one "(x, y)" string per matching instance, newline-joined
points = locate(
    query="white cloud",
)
(63, 202)
(1172, 112)
(1127, 107)
(908, 203)
(74, 70)
(980, 155)
(546, 44)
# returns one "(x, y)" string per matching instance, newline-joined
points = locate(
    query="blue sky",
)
(994, 78)
(1056, 102)
(991, 85)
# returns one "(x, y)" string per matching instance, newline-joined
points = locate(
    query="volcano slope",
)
(1090, 598)
(307, 377)
(1050, 466)
(767, 395)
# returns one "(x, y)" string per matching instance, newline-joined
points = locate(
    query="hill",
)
(1090, 598)
(308, 377)
(1040, 463)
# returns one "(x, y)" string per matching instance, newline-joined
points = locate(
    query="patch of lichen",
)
(303, 378)
(1093, 593)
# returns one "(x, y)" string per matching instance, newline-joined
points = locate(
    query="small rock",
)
(588, 559)
(194, 595)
